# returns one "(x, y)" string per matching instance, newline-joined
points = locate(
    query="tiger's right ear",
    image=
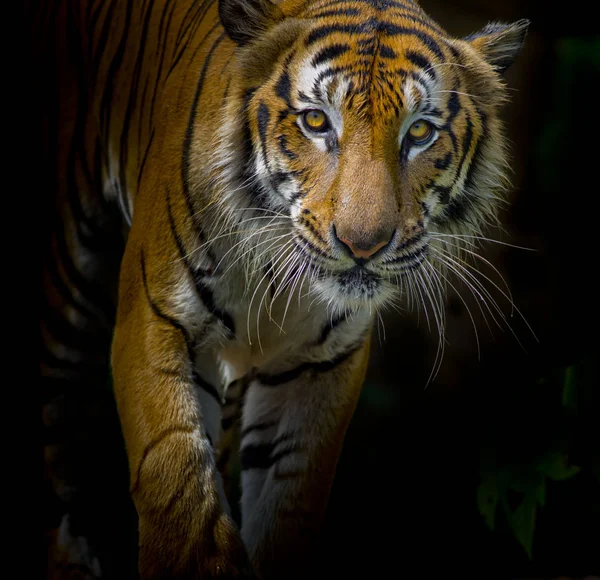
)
(500, 43)
(245, 20)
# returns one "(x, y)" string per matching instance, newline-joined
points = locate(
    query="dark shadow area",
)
(498, 435)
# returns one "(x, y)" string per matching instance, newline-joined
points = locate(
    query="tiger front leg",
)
(293, 427)
(165, 407)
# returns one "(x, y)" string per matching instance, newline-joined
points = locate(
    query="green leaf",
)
(554, 465)
(522, 521)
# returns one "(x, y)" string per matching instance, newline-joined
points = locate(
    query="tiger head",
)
(371, 129)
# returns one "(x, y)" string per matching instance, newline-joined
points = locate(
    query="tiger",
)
(234, 190)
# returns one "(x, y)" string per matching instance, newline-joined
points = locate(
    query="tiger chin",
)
(277, 174)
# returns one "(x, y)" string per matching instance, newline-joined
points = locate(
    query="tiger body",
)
(254, 252)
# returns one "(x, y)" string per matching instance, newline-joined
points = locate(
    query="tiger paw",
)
(211, 549)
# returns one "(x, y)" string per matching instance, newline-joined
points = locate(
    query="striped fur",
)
(177, 154)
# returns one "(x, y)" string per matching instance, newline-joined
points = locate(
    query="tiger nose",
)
(361, 247)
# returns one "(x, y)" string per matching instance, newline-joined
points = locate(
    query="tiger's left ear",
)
(245, 20)
(500, 43)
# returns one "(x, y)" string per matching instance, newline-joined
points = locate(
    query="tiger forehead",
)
(392, 76)
(373, 21)
(364, 52)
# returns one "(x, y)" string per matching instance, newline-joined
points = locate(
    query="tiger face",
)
(376, 133)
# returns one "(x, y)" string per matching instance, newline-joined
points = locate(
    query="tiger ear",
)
(500, 43)
(245, 20)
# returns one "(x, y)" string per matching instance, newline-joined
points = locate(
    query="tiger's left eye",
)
(420, 132)
(315, 120)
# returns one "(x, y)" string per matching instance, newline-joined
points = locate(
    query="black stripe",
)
(387, 52)
(269, 380)
(90, 232)
(206, 386)
(187, 21)
(444, 162)
(184, 49)
(419, 256)
(466, 145)
(329, 326)
(145, 158)
(330, 52)
(465, 204)
(204, 293)
(419, 61)
(443, 192)
(395, 30)
(312, 247)
(276, 179)
(263, 456)
(410, 241)
(256, 456)
(283, 86)
(158, 312)
(325, 30)
(154, 443)
(418, 17)
(100, 46)
(162, 36)
(457, 210)
(262, 118)
(454, 108)
(283, 147)
(108, 95)
(337, 12)
(453, 105)
(141, 116)
(262, 426)
(228, 422)
(334, 70)
(189, 134)
(312, 228)
(188, 338)
(162, 46)
(131, 102)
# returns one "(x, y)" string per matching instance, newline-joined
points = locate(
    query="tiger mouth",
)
(413, 254)
(407, 261)
(359, 276)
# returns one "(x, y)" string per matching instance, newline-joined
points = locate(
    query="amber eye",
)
(315, 120)
(420, 132)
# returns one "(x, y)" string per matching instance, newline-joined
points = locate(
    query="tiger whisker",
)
(281, 255)
(504, 294)
(290, 259)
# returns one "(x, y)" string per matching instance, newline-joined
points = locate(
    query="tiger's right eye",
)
(420, 132)
(315, 120)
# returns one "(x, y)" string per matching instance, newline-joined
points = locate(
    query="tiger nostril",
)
(363, 248)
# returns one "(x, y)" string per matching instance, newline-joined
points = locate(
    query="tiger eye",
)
(315, 120)
(420, 132)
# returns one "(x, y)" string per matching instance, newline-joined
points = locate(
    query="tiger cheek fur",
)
(279, 171)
